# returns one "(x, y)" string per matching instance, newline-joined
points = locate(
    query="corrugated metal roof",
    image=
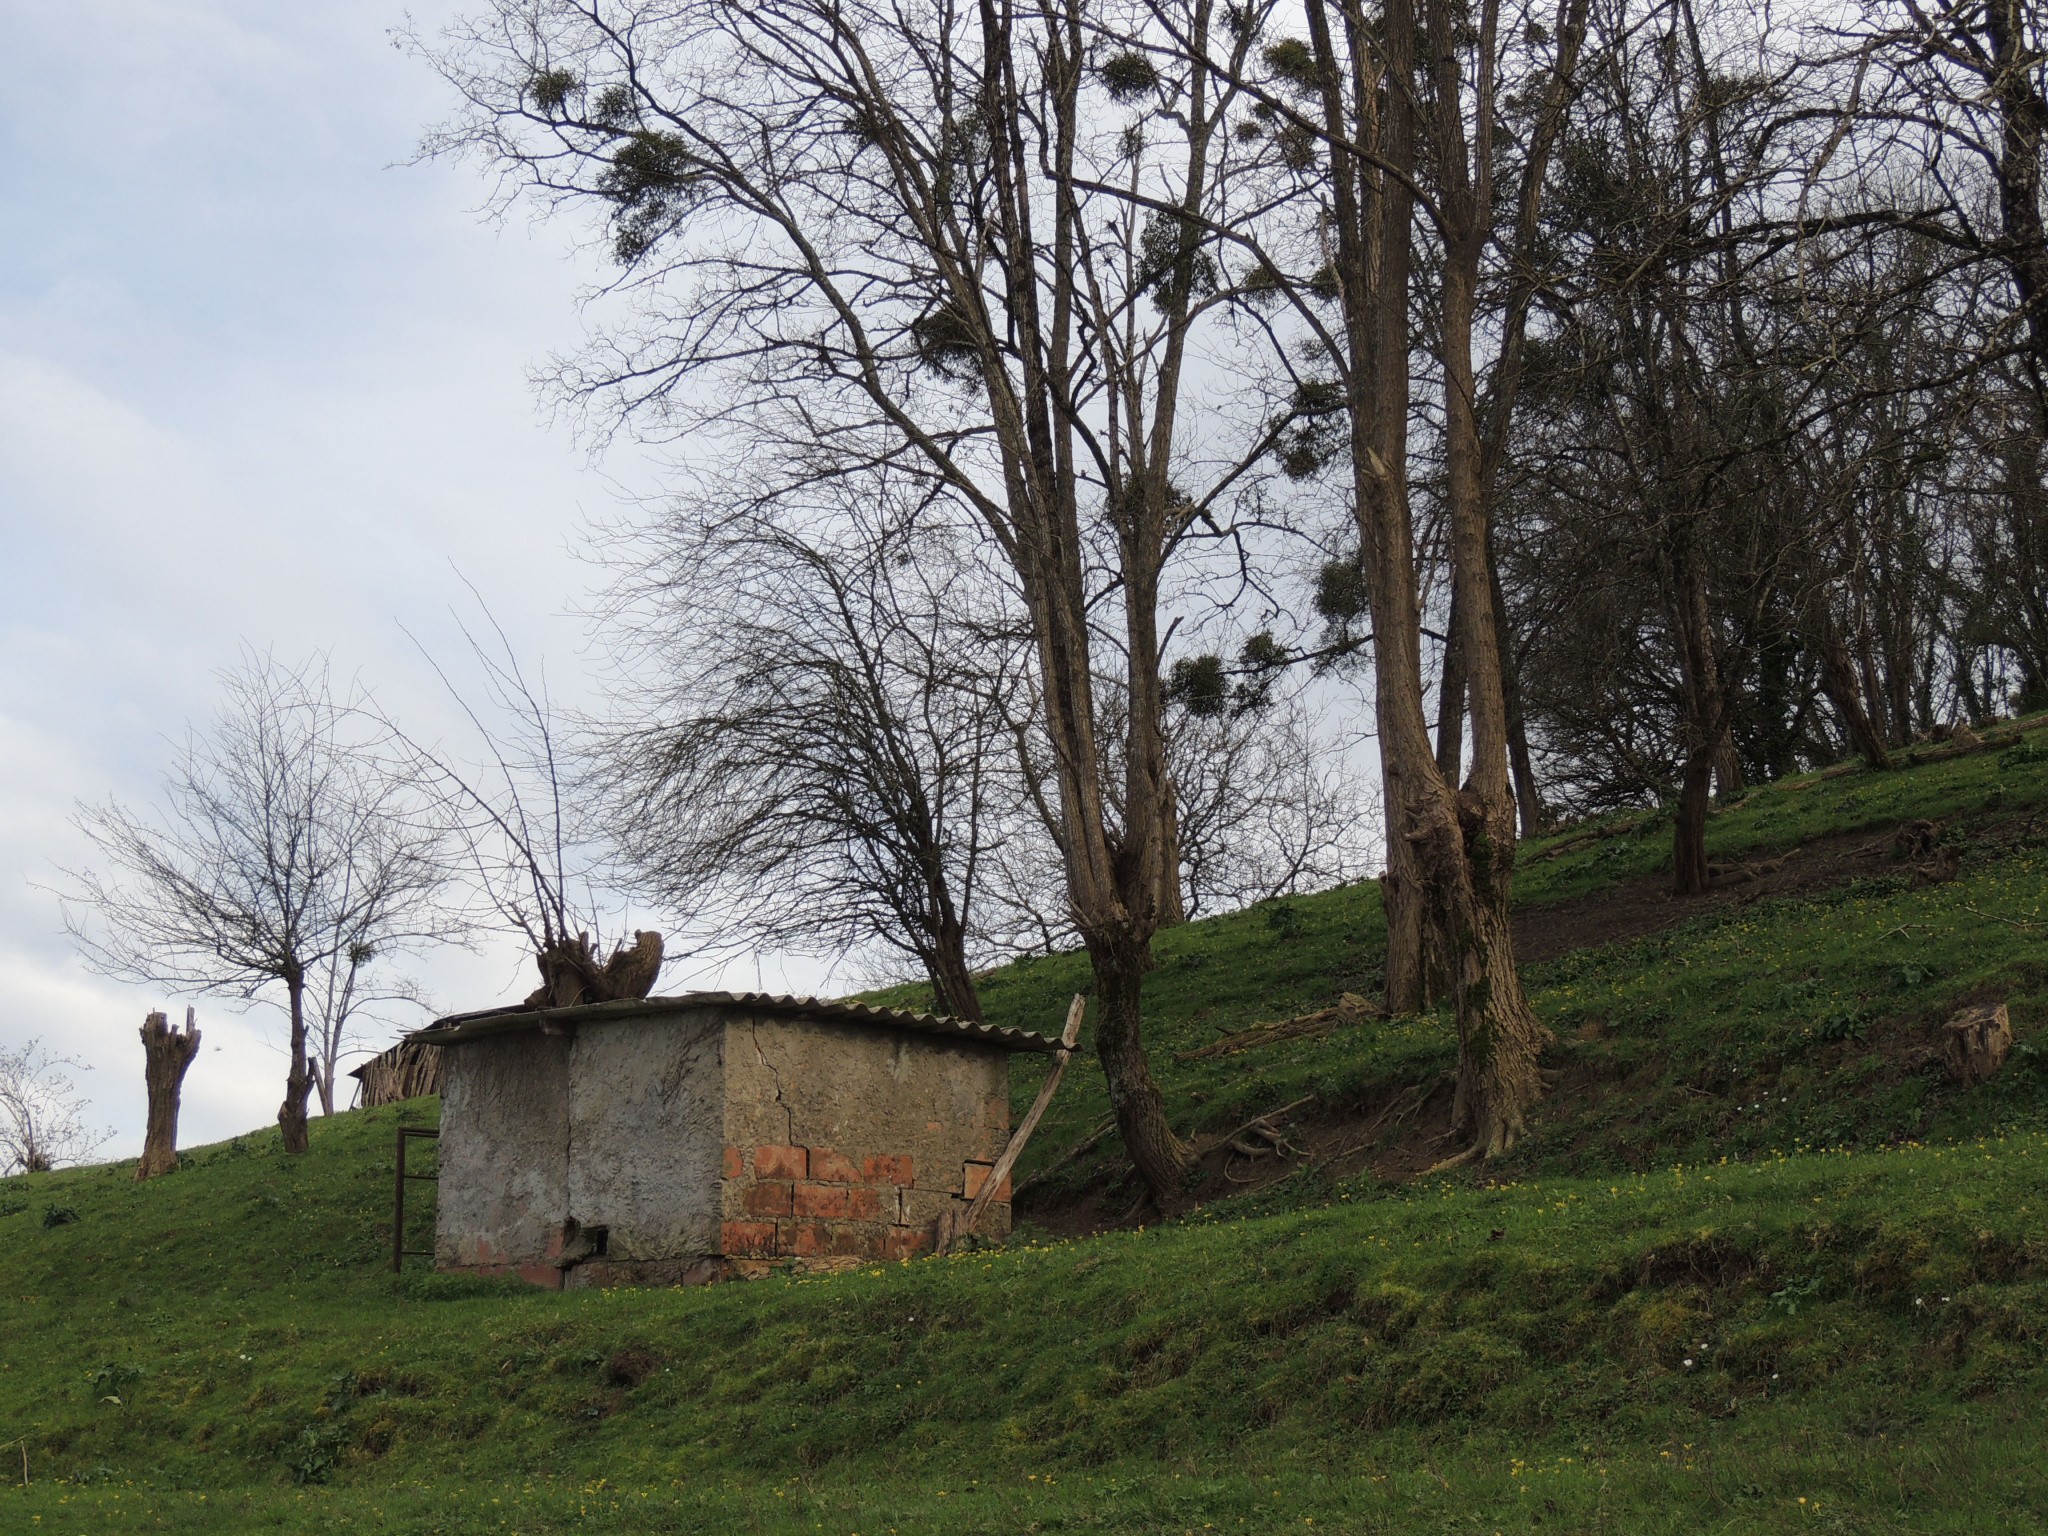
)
(461, 1028)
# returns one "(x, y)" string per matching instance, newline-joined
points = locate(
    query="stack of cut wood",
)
(406, 1071)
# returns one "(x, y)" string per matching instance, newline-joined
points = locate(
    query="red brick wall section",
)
(975, 1175)
(818, 1205)
(781, 1162)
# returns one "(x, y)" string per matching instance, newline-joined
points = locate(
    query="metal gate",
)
(399, 1252)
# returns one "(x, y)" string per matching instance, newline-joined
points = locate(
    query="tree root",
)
(1471, 1154)
(1261, 1124)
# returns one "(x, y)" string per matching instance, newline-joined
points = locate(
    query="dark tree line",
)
(1777, 487)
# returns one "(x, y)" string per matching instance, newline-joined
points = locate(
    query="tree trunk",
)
(571, 972)
(1838, 682)
(1873, 689)
(1373, 215)
(298, 1083)
(167, 1055)
(323, 1080)
(1689, 832)
(1173, 907)
(1469, 852)
(952, 983)
(1160, 1156)
(1528, 798)
(1467, 840)
(1409, 959)
(1727, 766)
(1704, 716)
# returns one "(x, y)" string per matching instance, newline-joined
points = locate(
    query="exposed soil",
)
(1398, 1131)
(1645, 905)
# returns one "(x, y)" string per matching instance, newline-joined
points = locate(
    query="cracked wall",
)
(845, 1144)
(646, 1138)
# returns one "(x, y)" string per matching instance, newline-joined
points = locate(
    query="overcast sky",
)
(261, 382)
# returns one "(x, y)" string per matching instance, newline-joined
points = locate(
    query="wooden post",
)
(167, 1057)
(951, 1227)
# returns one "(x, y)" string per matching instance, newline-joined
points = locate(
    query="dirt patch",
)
(630, 1367)
(1633, 909)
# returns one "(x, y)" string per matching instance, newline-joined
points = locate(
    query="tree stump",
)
(1976, 1041)
(1941, 867)
(1915, 840)
(167, 1054)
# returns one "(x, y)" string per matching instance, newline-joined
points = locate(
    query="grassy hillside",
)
(1745, 1026)
(1761, 1267)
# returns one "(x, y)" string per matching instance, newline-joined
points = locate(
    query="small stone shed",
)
(673, 1140)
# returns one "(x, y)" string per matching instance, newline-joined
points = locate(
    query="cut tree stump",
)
(1976, 1041)
(571, 972)
(167, 1056)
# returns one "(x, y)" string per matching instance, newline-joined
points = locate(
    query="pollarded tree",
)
(284, 850)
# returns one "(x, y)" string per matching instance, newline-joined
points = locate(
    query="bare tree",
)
(284, 850)
(812, 736)
(42, 1118)
(344, 994)
(1418, 138)
(1267, 805)
(1740, 490)
(1267, 808)
(1958, 90)
(167, 1057)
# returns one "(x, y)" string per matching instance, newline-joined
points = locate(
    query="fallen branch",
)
(2010, 922)
(1592, 835)
(1257, 1122)
(1455, 1160)
(1941, 754)
(1073, 1154)
(1836, 772)
(1350, 1009)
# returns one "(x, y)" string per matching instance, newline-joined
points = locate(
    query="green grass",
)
(1755, 1253)
(1844, 1316)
